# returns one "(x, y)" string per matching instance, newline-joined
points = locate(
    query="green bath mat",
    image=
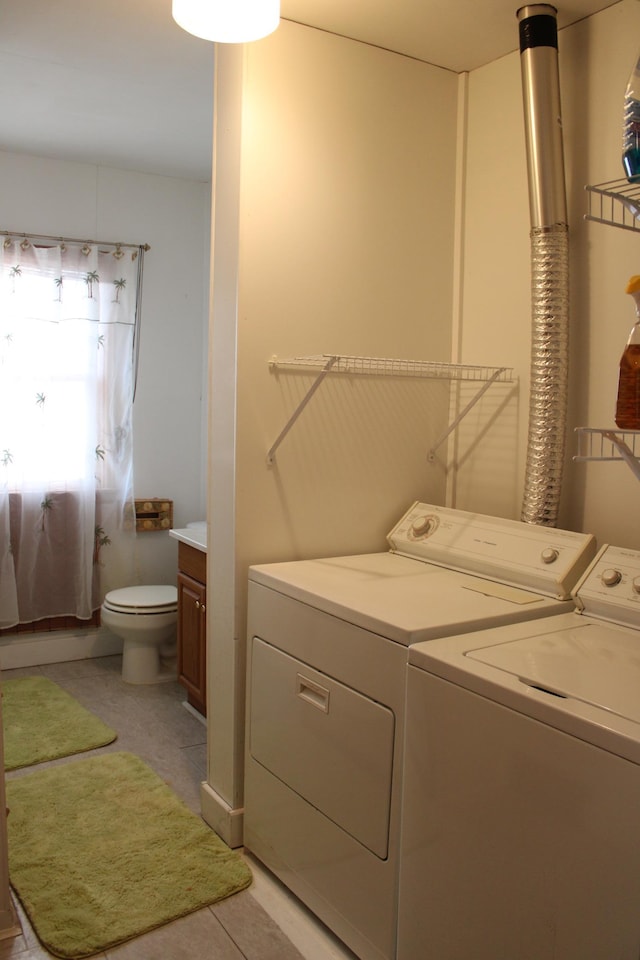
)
(101, 850)
(43, 722)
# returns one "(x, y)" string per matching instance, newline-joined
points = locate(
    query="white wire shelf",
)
(384, 367)
(596, 443)
(616, 203)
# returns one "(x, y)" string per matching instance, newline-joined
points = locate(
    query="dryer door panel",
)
(330, 744)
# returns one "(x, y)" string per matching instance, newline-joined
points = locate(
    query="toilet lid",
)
(145, 599)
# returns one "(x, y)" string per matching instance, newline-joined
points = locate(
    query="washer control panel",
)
(543, 559)
(610, 588)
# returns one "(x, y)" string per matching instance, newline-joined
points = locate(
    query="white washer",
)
(327, 664)
(521, 811)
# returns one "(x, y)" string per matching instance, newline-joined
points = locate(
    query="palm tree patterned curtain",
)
(67, 341)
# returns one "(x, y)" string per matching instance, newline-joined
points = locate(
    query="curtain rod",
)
(96, 243)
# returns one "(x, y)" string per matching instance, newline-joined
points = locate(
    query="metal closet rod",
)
(95, 243)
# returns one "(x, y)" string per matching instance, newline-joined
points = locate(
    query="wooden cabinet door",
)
(192, 673)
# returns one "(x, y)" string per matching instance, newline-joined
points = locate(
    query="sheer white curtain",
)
(67, 341)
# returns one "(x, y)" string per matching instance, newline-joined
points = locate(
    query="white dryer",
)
(521, 812)
(327, 662)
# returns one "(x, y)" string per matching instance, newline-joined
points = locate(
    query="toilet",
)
(145, 619)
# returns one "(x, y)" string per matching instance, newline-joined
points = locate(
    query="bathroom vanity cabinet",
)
(192, 638)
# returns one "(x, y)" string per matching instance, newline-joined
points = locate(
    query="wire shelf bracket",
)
(383, 367)
(455, 423)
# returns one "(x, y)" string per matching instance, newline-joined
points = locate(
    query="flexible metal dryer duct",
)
(549, 263)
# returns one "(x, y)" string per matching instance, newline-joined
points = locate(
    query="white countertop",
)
(193, 536)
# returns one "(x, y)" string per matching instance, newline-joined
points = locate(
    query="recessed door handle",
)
(312, 693)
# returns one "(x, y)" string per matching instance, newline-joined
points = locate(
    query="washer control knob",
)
(611, 577)
(635, 584)
(423, 526)
(549, 555)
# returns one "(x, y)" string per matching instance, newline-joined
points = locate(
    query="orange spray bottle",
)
(628, 405)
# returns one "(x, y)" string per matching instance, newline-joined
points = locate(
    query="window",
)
(67, 340)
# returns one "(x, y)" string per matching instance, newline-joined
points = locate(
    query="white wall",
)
(346, 246)
(61, 198)
(595, 58)
(346, 233)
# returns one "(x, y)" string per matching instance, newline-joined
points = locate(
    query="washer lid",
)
(569, 671)
(143, 599)
(591, 662)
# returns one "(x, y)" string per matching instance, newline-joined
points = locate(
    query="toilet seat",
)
(142, 600)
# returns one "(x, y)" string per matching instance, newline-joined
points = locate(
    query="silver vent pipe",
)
(549, 264)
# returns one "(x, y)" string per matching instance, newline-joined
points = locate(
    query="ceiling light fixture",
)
(227, 21)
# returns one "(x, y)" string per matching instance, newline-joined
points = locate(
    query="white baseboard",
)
(226, 822)
(194, 713)
(34, 649)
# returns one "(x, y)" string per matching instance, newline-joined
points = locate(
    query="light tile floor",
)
(264, 922)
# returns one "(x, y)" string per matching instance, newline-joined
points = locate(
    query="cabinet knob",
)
(203, 608)
(197, 604)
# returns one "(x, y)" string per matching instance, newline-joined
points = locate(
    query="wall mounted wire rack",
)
(332, 364)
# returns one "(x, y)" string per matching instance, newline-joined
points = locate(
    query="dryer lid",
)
(143, 599)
